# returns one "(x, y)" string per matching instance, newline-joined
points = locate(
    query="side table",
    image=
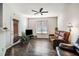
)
(51, 37)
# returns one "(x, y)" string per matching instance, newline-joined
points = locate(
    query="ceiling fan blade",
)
(41, 14)
(40, 9)
(45, 12)
(34, 11)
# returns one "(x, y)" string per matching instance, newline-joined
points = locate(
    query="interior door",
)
(15, 28)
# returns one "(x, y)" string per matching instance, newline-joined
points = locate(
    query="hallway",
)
(36, 47)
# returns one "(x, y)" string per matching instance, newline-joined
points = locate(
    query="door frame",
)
(14, 19)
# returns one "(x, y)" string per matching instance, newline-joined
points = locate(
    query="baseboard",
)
(12, 45)
(42, 38)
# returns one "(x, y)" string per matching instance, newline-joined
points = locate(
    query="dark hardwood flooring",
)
(36, 47)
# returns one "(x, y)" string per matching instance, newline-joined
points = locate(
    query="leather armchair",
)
(65, 38)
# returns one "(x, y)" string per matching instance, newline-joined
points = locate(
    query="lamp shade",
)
(70, 25)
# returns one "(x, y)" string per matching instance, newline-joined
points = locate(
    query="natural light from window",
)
(41, 27)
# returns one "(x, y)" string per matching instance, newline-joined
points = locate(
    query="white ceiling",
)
(26, 8)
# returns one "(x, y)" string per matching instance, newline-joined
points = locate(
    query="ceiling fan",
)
(40, 11)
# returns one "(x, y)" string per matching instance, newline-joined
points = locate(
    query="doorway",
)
(15, 29)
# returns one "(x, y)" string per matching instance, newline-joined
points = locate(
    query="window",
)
(41, 27)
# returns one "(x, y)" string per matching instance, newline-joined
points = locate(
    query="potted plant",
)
(24, 39)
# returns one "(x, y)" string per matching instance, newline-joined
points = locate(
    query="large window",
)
(41, 27)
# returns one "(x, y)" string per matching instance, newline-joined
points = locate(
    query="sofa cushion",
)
(61, 35)
(66, 36)
(62, 38)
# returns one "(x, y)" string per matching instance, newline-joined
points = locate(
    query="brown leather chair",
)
(57, 41)
(73, 48)
(66, 37)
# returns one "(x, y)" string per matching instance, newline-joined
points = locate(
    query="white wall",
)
(8, 15)
(70, 14)
(2, 34)
(7, 18)
(2, 42)
(52, 24)
(23, 24)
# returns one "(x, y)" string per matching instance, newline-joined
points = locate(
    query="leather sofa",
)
(64, 39)
(71, 47)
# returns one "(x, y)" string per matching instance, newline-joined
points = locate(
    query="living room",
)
(65, 16)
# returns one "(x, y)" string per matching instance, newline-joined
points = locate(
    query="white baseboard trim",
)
(13, 44)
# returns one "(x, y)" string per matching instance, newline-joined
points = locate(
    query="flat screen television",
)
(29, 32)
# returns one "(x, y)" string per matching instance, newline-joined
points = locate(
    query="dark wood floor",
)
(36, 47)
